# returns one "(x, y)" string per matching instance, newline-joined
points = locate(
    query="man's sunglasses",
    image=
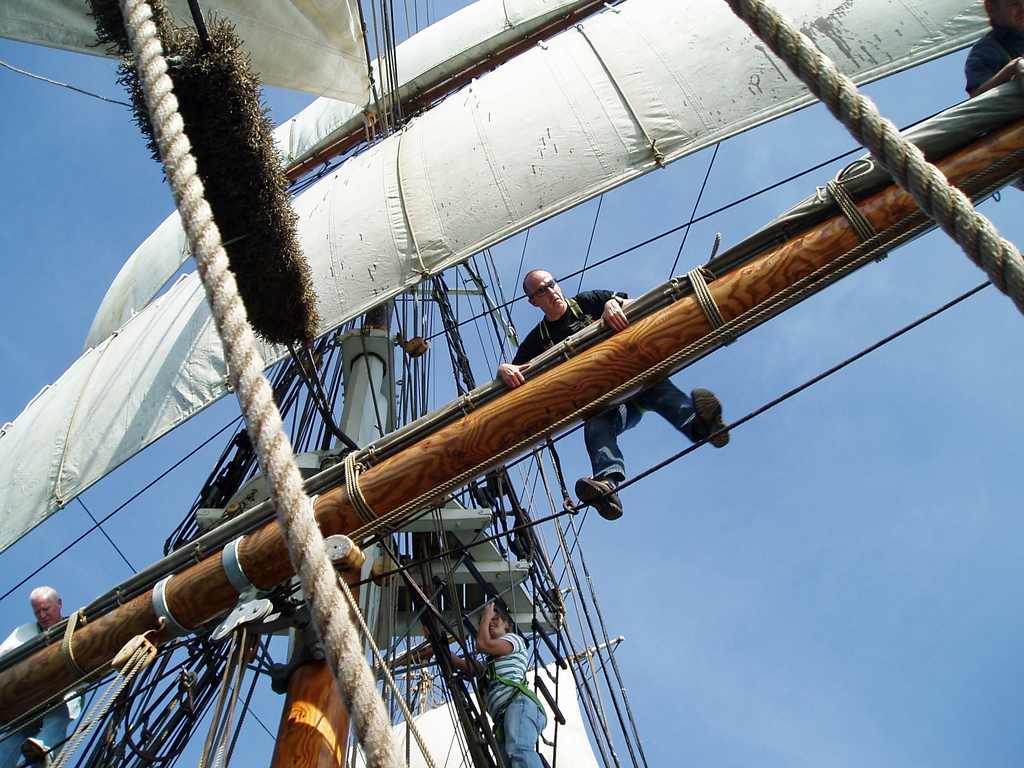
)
(544, 288)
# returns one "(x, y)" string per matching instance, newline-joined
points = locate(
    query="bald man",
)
(698, 415)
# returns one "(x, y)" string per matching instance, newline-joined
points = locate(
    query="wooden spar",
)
(203, 592)
(314, 724)
(313, 732)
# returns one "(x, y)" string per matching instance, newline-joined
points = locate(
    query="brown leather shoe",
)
(707, 417)
(35, 753)
(600, 495)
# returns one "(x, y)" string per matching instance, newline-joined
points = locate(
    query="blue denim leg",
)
(601, 433)
(50, 729)
(669, 402)
(523, 724)
(54, 728)
(10, 749)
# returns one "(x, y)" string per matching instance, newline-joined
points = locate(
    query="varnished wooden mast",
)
(203, 592)
(314, 723)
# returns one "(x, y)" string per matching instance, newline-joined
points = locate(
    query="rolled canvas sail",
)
(315, 46)
(590, 110)
(441, 50)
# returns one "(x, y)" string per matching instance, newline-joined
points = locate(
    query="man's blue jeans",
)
(602, 431)
(524, 721)
(51, 729)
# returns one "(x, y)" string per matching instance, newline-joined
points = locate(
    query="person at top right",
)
(995, 58)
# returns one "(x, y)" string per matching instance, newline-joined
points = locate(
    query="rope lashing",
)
(354, 492)
(904, 162)
(358, 691)
(66, 650)
(852, 213)
(699, 281)
(137, 654)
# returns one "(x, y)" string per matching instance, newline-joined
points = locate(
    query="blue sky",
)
(839, 586)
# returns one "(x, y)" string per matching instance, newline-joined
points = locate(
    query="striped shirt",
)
(510, 666)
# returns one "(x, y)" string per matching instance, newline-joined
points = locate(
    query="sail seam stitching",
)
(659, 156)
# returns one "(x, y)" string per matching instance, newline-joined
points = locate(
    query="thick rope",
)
(305, 542)
(698, 281)
(950, 208)
(389, 679)
(66, 650)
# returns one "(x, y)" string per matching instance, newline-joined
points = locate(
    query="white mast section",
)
(315, 46)
(588, 111)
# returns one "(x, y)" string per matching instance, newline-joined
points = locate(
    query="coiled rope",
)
(950, 208)
(328, 608)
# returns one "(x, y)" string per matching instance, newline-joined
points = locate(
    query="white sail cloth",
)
(453, 44)
(560, 124)
(314, 46)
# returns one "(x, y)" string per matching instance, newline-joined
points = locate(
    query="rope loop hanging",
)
(904, 162)
(66, 650)
(699, 281)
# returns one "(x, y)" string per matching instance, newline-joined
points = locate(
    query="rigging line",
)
(156, 480)
(461, 549)
(611, 657)
(106, 535)
(693, 213)
(593, 231)
(63, 85)
(796, 390)
(597, 701)
(597, 644)
(673, 230)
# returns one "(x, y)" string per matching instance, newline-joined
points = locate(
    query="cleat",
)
(707, 417)
(601, 495)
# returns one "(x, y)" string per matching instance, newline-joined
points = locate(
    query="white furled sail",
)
(647, 82)
(468, 36)
(314, 46)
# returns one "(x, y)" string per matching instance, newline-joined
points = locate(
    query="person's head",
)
(46, 605)
(545, 294)
(1006, 13)
(500, 623)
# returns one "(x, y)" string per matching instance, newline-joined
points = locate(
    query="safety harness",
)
(521, 687)
(585, 320)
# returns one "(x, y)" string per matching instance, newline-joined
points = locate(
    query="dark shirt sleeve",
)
(980, 61)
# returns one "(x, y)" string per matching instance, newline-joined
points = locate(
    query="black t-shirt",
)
(590, 307)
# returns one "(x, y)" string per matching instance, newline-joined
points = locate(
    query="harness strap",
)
(499, 720)
(577, 313)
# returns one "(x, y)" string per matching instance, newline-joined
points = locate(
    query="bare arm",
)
(469, 666)
(485, 642)
(1004, 75)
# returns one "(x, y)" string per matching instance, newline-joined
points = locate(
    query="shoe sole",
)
(709, 410)
(594, 493)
